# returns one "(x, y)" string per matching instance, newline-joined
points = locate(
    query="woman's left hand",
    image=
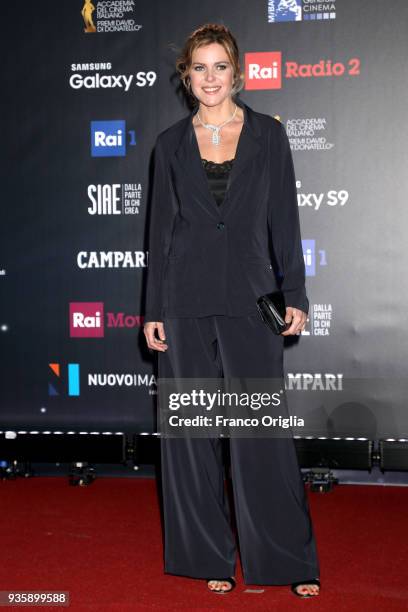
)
(297, 318)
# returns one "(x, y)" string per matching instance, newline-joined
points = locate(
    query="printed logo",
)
(321, 317)
(96, 76)
(316, 201)
(114, 199)
(110, 16)
(319, 381)
(284, 10)
(300, 10)
(86, 320)
(54, 385)
(263, 70)
(112, 259)
(310, 256)
(87, 11)
(308, 134)
(108, 138)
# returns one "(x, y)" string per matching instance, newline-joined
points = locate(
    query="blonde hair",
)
(202, 36)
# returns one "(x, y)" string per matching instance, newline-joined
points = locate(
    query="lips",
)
(211, 90)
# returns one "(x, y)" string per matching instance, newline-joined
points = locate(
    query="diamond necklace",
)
(216, 128)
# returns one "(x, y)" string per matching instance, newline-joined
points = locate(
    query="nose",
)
(210, 76)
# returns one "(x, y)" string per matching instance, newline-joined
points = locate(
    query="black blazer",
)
(208, 260)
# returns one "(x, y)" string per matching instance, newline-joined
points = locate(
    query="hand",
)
(297, 318)
(152, 341)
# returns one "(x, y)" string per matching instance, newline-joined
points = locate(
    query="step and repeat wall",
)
(87, 86)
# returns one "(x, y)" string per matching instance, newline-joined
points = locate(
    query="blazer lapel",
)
(188, 157)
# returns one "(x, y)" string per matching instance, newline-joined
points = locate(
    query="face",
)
(211, 74)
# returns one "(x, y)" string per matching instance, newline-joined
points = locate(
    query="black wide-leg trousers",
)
(276, 539)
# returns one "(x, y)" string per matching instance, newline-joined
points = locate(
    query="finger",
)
(160, 331)
(302, 325)
(299, 329)
(156, 344)
(153, 342)
(289, 314)
(292, 330)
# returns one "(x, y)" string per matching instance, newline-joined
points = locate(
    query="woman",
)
(224, 189)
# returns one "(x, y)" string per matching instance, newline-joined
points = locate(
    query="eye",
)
(199, 67)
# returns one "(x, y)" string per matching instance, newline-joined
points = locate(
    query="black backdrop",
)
(348, 134)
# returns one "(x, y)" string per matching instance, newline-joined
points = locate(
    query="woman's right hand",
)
(153, 342)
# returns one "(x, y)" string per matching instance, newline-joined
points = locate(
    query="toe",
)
(219, 585)
(308, 589)
(214, 585)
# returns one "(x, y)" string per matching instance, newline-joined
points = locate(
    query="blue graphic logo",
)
(300, 10)
(108, 138)
(284, 10)
(312, 257)
(309, 253)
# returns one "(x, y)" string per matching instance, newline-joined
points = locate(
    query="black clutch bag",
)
(273, 311)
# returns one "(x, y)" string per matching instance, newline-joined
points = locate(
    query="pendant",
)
(216, 136)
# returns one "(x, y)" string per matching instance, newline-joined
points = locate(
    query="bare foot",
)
(220, 585)
(307, 589)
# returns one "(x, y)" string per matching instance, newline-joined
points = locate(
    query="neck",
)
(217, 114)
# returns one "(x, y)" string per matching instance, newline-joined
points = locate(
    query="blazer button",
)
(220, 225)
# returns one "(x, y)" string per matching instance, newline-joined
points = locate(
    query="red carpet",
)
(103, 544)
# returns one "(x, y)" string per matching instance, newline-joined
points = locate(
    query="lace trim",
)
(217, 167)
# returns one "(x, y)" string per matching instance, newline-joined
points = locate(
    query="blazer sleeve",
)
(160, 227)
(284, 224)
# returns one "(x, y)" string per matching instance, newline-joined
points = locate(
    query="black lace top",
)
(217, 174)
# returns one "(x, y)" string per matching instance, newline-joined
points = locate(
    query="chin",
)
(212, 100)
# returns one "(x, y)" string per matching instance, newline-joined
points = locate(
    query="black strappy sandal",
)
(315, 581)
(222, 591)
